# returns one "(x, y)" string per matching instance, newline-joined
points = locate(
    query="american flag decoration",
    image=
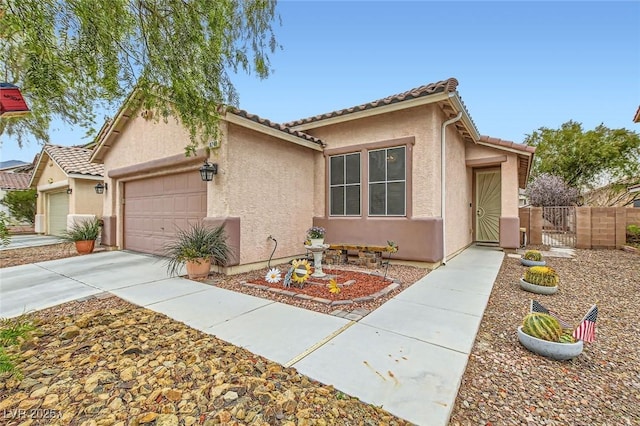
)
(537, 307)
(586, 331)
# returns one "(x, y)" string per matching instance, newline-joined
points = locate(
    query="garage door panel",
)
(156, 207)
(58, 211)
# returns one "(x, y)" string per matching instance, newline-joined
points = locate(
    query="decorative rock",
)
(128, 373)
(147, 418)
(50, 401)
(230, 396)
(39, 392)
(98, 378)
(70, 332)
(132, 350)
(173, 395)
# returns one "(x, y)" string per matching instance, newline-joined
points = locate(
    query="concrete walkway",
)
(407, 356)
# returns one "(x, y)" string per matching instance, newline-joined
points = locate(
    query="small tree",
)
(550, 190)
(21, 204)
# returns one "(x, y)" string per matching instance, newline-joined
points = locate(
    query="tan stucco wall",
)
(84, 199)
(269, 184)
(141, 140)
(419, 122)
(52, 174)
(459, 178)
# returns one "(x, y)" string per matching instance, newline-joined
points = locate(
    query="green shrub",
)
(633, 234)
(21, 204)
(83, 230)
(4, 230)
(12, 332)
(541, 275)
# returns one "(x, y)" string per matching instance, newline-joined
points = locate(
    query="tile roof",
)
(277, 126)
(524, 160)
(507, 144)
(9, 180)
(74, 160)
(444, 86)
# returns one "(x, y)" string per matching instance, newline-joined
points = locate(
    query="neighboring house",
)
(12, 165)
(411, 168)
(65, 181)
(10, 181)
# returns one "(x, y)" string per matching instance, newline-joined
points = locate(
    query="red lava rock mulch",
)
(365, 285)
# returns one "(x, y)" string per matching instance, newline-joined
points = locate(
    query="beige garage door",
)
(58, 211)
(155, 208)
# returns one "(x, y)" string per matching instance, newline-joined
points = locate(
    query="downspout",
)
(443, 160)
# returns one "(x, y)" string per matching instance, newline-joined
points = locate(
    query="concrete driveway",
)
(31, 240)
(407, 356)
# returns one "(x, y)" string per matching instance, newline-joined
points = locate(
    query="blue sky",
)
(520, 65)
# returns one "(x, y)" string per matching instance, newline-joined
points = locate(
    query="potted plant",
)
(315, 234)
(540, 280)
(532, 258)
(542, 334)
(84, 234)
(197, 248)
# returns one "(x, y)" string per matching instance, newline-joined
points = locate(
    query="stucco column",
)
(509, 232)
(535, 224)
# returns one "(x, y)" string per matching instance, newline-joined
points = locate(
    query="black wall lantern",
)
(100, 188)
(69, 191)
(208, 170)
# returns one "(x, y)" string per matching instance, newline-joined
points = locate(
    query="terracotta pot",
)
(198, 269)
(85, 246)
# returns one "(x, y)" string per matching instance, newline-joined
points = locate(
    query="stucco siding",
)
(270, 186)
(51, 174)
(420, 122)
(458, 194)
(84, 199)
(509, 177)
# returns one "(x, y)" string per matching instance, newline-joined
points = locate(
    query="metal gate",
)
(559, 226)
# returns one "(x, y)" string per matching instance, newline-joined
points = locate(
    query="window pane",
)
(353, 200)
(353, 168)
(376, 165)
(395, 198)
(337, 200)
(377, 198)
(395, 164)
(337, 170)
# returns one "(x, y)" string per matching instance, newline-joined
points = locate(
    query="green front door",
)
(488, 199)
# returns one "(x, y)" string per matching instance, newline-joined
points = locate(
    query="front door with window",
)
(488, 206)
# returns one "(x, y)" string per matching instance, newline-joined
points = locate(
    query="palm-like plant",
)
(195, 243)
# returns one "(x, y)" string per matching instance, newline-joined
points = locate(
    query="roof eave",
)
(396, 106)
(250, 124)
(36, 170)
(97, 156)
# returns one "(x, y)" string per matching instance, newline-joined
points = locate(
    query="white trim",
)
(505, 148)
(86, 177)
(51, 186)
(261, 128)
(348, 116)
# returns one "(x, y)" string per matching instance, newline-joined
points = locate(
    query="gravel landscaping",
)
(104, 361)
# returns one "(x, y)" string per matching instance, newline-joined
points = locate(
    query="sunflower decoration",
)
(333, 286)
(301, 271)
(273, 276)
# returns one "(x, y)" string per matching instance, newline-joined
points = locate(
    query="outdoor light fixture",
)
(69, 191)
(208, 170)
(100, 188)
